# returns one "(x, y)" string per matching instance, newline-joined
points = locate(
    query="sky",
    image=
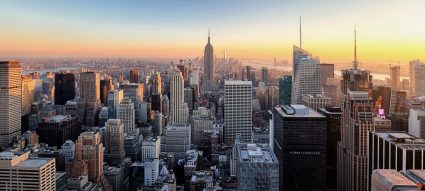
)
(388, 31)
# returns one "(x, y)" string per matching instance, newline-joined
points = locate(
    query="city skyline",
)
(387, 30)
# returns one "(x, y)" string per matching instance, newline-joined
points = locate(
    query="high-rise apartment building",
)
(89, 148)
(258, 168)
(352, 149)
(300, 147)
(285, 89)
(126, 114)
(178, 109)
(151, 148)
(68, 149)
(114, 142)
(237, 110)
(306, 75)
(19, 172)
(64, 88)
(10, 101)
(209, 66)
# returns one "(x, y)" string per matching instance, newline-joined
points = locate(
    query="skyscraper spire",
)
(300, 34)
(208, 35)
(355, 63)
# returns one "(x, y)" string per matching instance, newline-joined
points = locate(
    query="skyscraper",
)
(285, 89)
(89, 97)
(10, 101)
(209, 66)
(419, 80)
(28, 90)
(64, 88)
(395, 78)
(105, 86)
(412, 66)
(127, 114)
(114, 142)
(134, 76)
(326, 72)
(178, 109)
(300, 147)
(306, 75)
(265, 75)
(352, 149)
(333, 136)
(89, 148)
(237, 110)
(356, 79)
(151, 148)
(156, 87)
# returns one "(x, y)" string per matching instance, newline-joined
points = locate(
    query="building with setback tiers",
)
(300, 147)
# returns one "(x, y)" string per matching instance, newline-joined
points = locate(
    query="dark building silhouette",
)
(134, 76)
(105, 86)
(57, 129)
(300, 146)
(64, 88)
(333, 136)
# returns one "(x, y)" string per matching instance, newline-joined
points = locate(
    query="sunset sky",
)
(388, 30)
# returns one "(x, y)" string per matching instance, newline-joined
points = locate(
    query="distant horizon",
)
(386, 32)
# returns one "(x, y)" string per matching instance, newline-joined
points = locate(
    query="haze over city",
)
(389, 32)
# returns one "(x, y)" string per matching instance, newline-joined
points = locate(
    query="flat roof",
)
(392, 177)
(310, 114)
(237, 82)
(33, 163)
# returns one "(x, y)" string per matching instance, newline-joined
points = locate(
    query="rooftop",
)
(58, 118)
(254, 153)
(237, 82)
(33, 163)
(392, 178)
(402, 139)
(297, 111)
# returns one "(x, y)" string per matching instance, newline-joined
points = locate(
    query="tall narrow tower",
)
(178, 109)
(10, 101)
(208, 66)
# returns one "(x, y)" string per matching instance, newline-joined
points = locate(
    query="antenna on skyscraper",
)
(355, 63)
(300, 34)
(208, 35)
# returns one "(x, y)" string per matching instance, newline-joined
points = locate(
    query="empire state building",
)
(208, 66)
